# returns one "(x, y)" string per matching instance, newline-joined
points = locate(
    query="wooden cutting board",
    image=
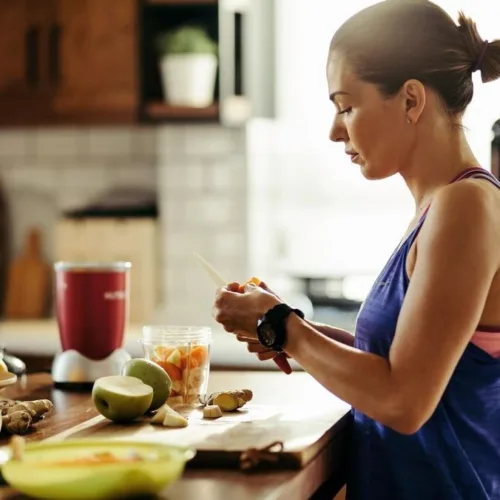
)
(28, 281)
(303, 431)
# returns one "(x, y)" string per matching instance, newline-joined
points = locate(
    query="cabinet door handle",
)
(55, 54)
(32, 56)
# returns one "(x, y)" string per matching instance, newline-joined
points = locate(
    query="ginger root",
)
(17, 422)
(230, 400)
(37, 409)
(212, 411)
(18, 416)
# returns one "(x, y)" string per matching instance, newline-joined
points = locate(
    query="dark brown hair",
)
(397, 40)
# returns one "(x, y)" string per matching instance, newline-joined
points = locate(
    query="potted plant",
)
(188, 65)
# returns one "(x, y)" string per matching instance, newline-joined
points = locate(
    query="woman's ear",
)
(414, 96)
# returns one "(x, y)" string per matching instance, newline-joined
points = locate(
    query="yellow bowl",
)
(40, 474)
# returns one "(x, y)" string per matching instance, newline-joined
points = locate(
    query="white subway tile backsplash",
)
(144, 141)
(170, 144)
(15, 145)
(173, 216)
(94, 177)
(230, 244)
(221, 177)
(60, 143)
(172, 179)
(115, 142)
(213, 211)
(209, 140)
(195, 176)
(135, 174)
(40, 177)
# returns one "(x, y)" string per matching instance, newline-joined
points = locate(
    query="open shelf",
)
(163, 111)
(181, 2)
(159, 16)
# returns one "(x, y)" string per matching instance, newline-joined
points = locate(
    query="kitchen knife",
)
(216, 277)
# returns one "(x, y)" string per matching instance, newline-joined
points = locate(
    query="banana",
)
(196, 378)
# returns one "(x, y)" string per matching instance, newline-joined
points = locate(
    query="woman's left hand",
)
(239, 312)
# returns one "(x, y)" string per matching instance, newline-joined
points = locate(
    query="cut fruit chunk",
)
(175, 358)
(168, 417)
(121, 398)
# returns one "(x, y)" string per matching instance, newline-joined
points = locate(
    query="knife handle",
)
(283, 363)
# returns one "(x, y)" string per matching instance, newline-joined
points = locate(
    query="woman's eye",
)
(346, 110)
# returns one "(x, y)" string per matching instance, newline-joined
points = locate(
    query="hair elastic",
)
(480, 58)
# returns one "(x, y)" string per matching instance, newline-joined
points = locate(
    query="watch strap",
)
(275, 319)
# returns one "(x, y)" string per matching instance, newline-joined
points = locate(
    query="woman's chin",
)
(372, 173)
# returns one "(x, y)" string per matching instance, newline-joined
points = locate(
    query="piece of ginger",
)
(16, 422)
(18, 416)
(230, 400)
(212, 411)
(37, 409)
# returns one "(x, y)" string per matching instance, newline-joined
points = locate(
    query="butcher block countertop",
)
(312, 425)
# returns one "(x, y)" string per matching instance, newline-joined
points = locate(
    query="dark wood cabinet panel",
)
(96, 67)
(13, 38)
(25, 93)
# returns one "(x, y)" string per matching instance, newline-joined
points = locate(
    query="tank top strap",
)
(477, 173)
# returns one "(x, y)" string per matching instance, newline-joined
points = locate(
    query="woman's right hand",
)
(253, 345)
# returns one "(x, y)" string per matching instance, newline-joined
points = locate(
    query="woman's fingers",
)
(233, 287)
(246, 337)
(255, 347)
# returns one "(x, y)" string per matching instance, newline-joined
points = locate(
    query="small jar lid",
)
(165, 334)
(117, 266)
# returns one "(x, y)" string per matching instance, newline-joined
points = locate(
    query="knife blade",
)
(219, 281)
(211, 271)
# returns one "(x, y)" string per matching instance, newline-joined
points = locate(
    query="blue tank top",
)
(456, 453)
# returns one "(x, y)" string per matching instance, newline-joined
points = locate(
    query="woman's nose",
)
(338, 132)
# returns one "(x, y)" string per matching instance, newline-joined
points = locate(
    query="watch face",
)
(267, 336)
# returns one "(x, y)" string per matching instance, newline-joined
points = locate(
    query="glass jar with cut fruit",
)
(184, 353)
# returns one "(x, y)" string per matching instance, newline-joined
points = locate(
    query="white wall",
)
(321, 214)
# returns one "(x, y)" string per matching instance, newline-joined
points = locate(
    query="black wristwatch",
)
(271, 329)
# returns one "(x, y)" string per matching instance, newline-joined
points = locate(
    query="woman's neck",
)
(442, 154)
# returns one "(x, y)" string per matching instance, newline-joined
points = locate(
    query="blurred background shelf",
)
(163, 111)
(181, 2)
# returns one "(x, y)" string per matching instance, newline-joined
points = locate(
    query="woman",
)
(423, 370)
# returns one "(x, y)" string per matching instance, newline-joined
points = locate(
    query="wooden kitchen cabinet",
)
(92, 62)
(95, 74)
(25, 92)
(68, 62)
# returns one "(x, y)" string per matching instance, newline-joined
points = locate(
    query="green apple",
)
(153, 375)
(120, 398)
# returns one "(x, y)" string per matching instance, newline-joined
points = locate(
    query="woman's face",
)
(373, 128)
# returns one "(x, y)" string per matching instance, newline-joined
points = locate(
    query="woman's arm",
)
(457, 259)
(337, 334)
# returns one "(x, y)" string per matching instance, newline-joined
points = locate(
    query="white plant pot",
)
(189, 79)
